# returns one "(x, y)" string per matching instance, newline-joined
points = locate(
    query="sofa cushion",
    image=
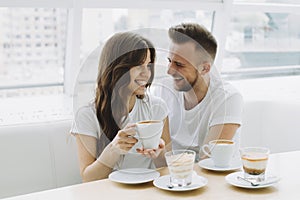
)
(37, 157)
(272, 124)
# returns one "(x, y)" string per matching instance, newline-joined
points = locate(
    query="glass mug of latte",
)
(254, 161)
(180, 165)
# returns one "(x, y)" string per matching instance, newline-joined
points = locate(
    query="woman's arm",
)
(94, 169)
(90, 168)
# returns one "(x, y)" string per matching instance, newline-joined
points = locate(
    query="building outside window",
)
(28, 56)
(35, 43)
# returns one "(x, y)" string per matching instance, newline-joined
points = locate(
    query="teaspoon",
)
(244, 179)
(170, 185)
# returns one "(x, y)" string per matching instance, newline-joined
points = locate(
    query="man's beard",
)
(188, 86)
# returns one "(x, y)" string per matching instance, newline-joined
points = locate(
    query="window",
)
(261, 44)
(270, 1)
(43, 45)
(18, 71)
(114, 20)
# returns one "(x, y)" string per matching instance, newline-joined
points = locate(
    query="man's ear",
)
(205, 68)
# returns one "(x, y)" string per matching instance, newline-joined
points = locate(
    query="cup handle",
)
(204, 147)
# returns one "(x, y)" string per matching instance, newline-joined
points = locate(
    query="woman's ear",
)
(205, 68)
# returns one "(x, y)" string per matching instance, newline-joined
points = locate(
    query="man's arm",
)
(221, 131)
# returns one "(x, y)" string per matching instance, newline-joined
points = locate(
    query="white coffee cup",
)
(149, 132)
(220, 151)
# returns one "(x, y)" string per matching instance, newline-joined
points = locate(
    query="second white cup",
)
(220, 151)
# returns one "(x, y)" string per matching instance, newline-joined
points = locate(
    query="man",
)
(201, 106)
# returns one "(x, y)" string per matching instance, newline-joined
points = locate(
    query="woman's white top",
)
(150, 108)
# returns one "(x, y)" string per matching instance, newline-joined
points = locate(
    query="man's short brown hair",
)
(187, 32)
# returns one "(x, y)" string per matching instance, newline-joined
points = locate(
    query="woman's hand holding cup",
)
(125, 139)
(153, 153)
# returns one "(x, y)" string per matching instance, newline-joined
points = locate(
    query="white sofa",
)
(42, 156)
(274, 124)
(37, 157)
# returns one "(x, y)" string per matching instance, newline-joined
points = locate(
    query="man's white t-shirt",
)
(150, 108)
(188, 128)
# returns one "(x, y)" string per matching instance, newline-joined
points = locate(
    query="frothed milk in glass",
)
(254, 161)
(180, 164)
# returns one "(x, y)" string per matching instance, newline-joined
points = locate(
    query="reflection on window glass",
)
(258, 40)
(32, 46)
(270, 1)
(99, 24)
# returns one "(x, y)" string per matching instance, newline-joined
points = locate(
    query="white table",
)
(286, 165)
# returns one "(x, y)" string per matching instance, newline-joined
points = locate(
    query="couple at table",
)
(195, 105)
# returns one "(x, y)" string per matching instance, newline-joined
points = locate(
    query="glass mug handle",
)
(205, 148)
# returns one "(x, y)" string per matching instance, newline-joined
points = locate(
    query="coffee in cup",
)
(254, 161)
(149, 132)
(220, 151)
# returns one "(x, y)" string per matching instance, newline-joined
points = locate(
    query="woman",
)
(105, 130)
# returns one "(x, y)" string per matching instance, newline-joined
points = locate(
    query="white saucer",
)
(163, 182)
(209, 164)
(233, 180)
(133, 175)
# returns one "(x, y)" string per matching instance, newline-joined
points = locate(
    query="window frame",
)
(222, 10)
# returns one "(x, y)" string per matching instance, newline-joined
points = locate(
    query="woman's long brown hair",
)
(119, 54)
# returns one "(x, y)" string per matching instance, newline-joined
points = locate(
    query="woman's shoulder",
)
(86, 111)
(85, 121)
